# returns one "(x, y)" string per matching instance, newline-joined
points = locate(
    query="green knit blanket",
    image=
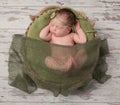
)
(28, 70)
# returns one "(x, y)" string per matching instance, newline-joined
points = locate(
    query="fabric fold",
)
(30, 65)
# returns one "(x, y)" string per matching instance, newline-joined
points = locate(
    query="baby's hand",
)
(77, 26)
(49, 24)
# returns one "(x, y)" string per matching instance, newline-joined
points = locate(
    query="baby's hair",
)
(70, 16)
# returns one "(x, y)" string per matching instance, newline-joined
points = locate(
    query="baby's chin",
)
(57, 35)
(53, 33)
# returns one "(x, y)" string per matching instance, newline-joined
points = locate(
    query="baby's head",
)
(66, 16)
(63, 21)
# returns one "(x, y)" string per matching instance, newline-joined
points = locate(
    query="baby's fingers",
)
(77, 26)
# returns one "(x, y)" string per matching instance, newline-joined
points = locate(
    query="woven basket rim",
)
(33, 18)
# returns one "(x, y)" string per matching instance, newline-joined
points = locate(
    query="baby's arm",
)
(80, 36)
(45, 33)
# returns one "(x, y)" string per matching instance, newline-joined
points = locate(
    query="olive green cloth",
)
(28, 70)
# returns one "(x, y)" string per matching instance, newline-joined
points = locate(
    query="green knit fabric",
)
(27, 68)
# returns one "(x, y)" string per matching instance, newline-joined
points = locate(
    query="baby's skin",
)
(57, 32)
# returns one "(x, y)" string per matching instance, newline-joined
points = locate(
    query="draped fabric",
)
(61, 69)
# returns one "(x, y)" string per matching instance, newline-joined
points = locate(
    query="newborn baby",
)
(59, 31)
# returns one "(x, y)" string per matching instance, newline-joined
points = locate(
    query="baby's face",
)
(57, 28)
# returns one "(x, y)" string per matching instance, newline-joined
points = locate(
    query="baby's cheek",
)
(66, 31)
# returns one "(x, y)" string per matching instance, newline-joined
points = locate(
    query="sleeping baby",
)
(59, 31)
